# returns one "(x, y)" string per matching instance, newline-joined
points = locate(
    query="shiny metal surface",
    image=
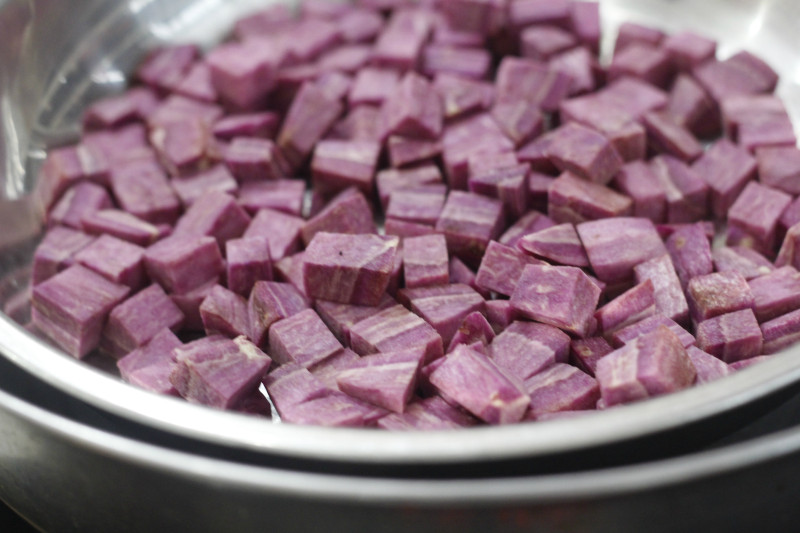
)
(57, 56)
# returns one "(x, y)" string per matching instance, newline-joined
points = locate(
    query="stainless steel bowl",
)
(58, 56)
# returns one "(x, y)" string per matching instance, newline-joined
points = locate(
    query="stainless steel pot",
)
(57, 56)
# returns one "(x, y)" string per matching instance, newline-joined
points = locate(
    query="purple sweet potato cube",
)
(731, 337)
(742, 73)
(526, 348)
(581, 65)
(574, 199)
(635, 96)
(781, 332)
(341, 317)
(347, 212)
(244, 72)
(310, 116)
(285, 195)
(347, 58)
(327, 370)
(351, 269)
(708, 367)
(475, 328)
(302, 338)
(115, 259)
(404, 151)
(462, 139)
(536, 12)
(745, 261)
(189, 304)
(112, 111)
(164, 67)
(559, 244)
(531, 81)
(177, 108)
(509, 184)
(81, 199)
(779, 167)
(182, 146)
(121, 224)
(56, 252)
(420, 204)
(726, 168)
(637, 180)
(150, 365)
(269, 302)
(744, 363)
(531, 222)
(692, 108)
(395, 328)
(559, 388)
(690, 252)
(687, 49)
(218, 372)
(337, 164)
(610, 118)
(385, 379)
(757, 211)
(776, 293)
(461, 96)
(224, 312)
(140, 187)
(400, 43)
(461, 273)
(413, 109)
(615, 246)
(501, 268)
(290, 384)
(643, 61)
(631, 306)
(443, 306)
(654, 364)
(290, 270)
(372, 86)
(216, 179)
(214, 214)
(260, 124)
(718, 293)
(334, 410)
(282, 231)
(665, 135)
(687, 192)
(247, 261)
(585, 18)
(138, 319)
(71, 308)
(632, 32)
(668, 292)
(425, 261)
(477, 384)
(182, 263)
(469, 62)
(392, 179)
(585, 353)
(519, 120)
(500, 314)
(254, 159)
(541, 42)
(651, 323)
(563, 297)
(473, 17)
(763, 121)
(469, 221)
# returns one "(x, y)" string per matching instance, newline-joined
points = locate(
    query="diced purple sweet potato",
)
(389, 180)
(310, 116)
(282, 231)
(290, 270)
(469, 62)
(642, 61)
(140, 187)
(115, 259)
(404, 151)
(632, 32)
(475, 328)
(573, 199)
(113, 111)
(269, 302)
(443, 306)
(776, 293)
(610, 118)
(692, 108)
(164, 67)
(631, 306)
(742, 73)
(413, 109)
(531, 222)
(560, 387)
(731, 337)
(474, 381)
(419, 205)
(223, 312)
(531, 81)
(121, 224)
(182, 263)
(508, 184)
(150, 365)
(285, 195)
(745, 261)
(559, 244)
(177, 108)
(352, 269)
(372, 86)
(541, 42)
(218, 372)
(83, 198)
(501, 268)
(138, 319)
(385, 379)
(360, 25)
(214, 214)
(584, 353)
(526, 348)
(302, 338)
(718, 293)
(615, 246)
(781, 332)
(469, 221)
(348, 212)
(779, 167)
(216, 179)
(426, 414)
(334, 410)
(400, 43)
(56, 252)
(337, 164)
(260, 124)
(668, 292)
(687, 49)
(479, 18)
(425, 261)
(756, 121)
(638, 180)
(244, 72)
(563, 297)
(71, 308)
(341, 317)
(478, 133)
(254, 159)
(708, 367)
(654, 364)
(629, 333)
(726, 168)
(461, 96)
(585, 19)
(291, 384)
(757, 211)
(183, 146)
(690, 252)
(247, 261)
(395, 328)
(581, 65)
(686, 190)
(665, 135)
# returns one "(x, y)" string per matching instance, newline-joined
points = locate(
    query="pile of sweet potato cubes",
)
(545, 245)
